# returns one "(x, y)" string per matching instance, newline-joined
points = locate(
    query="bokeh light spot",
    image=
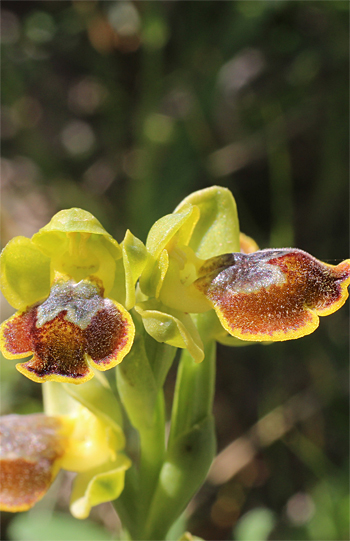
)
(77, 137)
(40, 27)
(159, 128)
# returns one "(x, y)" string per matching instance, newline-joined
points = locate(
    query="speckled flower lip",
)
(273, 295)
(73, 325)
(29, 452)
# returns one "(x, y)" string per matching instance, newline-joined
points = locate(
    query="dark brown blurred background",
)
(124, 108)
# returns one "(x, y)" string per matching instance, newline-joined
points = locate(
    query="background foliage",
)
(124, 108)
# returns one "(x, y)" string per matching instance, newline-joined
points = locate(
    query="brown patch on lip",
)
(31, 447)
(254, 303)
(16, 333)
(59, 348)
(107, 334)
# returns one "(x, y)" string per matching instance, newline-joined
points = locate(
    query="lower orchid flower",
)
(35, 447)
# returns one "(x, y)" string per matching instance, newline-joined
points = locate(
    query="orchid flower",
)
(197, 281)
(35, 447)
(257, 295)
(71, 284)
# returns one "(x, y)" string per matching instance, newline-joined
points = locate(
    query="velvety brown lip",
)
(65, 331)
(30, 448)
(273, 294)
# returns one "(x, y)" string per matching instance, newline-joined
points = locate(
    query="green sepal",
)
(179, 223)
(25, 273)
(184, 470)
(171, 326)
(217, 230)
(166, 233)
(79, 246)
(98, 485)
(75, 220)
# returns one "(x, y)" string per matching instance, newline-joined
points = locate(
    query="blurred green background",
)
(123, 109)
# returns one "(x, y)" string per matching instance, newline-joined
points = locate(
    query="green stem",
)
(152, 443)
(133, 503)
(194, 391)
(191, 446)
(126, 504)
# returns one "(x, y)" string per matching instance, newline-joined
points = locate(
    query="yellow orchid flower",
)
(273, 295)
(200, 261)
(71, 284)
(35, 447)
